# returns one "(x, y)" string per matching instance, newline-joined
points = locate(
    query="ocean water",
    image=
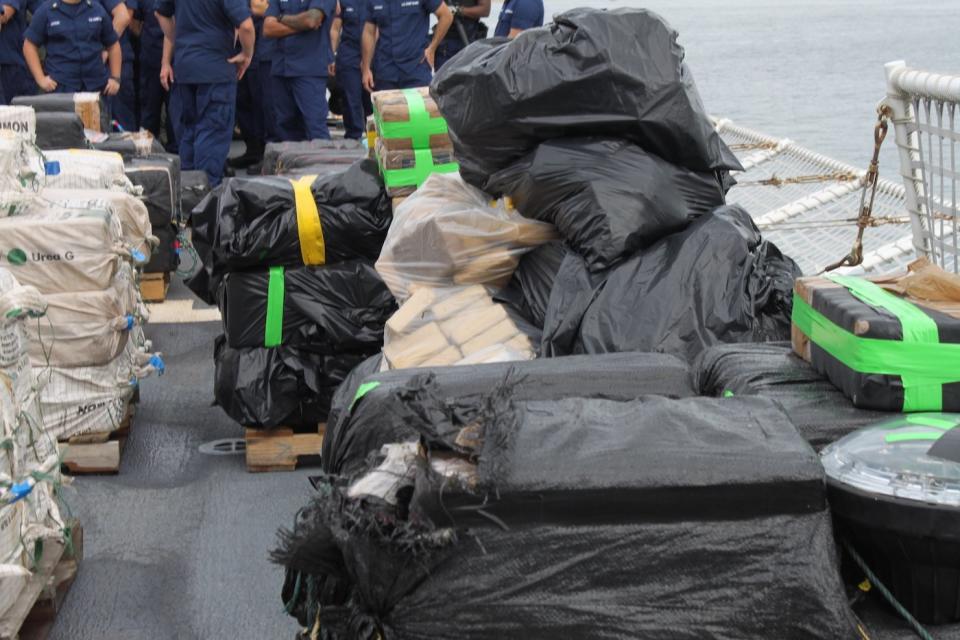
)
(810, 70)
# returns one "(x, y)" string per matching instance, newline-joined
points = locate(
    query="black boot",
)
(251, 156)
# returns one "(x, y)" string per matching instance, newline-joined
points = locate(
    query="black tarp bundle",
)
(360, 426)
(583, 518)
(194, 187)
(528, 292)
(62, 103)
(166, 255)
(607, 196)
(303, 161)
(771, 370)
(60, 130)
(590, 72)
(280, 387)
(159, 175)
(716, 281)
(251, 223)
(327, 309)
(334, 148)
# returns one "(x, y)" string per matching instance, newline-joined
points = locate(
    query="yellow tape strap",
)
(312, 247)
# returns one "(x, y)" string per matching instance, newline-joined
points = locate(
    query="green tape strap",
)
(273, 327)
(933, 420)
(420, 125)
(913, 436)
(418, 174)
(363, 390)
(924, 367)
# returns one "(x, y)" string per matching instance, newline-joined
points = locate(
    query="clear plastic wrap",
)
(448, 233)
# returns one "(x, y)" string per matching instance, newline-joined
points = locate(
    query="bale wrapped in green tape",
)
(576, 518)
(884, 351)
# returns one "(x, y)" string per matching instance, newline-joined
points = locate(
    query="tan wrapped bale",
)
(469, 324)
(415, 348)
(392, 107)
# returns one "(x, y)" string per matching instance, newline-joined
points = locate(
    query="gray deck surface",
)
(176, 545)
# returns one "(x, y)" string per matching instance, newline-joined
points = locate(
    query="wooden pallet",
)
(33, 614)
(154, 286)
(281, 449)
(97, 452)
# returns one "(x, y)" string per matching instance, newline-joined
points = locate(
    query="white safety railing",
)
(924, 113)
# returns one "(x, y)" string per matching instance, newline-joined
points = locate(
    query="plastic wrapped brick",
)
(716, 281)
(460, 325)
(365, 412)
(655, 518)
(393, 108)
(607, 196)
(405, 170)
(261, 222)
(448, 234)
(60, 131)
(327, 309)
(591, 72)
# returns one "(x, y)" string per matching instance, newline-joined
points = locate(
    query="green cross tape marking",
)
(923, 365)
(913, 436)
(418, 174)
(363, 390)
(273, 327)
(418, 128)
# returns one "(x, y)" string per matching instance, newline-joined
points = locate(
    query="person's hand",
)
(112, 88)
(430, 55)
(166, 76)
(368, 80)
(242, 63)
(47, 84)
(332, 68)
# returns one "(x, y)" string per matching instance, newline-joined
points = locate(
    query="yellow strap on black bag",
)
(312, 247)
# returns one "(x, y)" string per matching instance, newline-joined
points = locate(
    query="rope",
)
(776, 181)
(875, 581)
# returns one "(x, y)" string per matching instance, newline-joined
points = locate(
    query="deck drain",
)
(225, 447)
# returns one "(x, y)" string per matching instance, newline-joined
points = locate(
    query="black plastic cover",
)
(165, 258)
(717, 281)
(300, 160)
(590, 72)
(280, 387)
(273, 150)
(159, 175)
(60, 130)
(528, 292)
(194, 187)
(376, 419)
(819, 410)
(327, 309)
(607, 196)
(248, 223)
(62, 102)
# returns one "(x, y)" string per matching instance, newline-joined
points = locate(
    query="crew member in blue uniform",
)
(466, 28)
(153, 97)
(302, 31)
(203, 35)
(346, 35)
(123, 106)
(250, 109)
(398, 52)
(75, 32)
(14, 76)
(266, 51)
(518, 16)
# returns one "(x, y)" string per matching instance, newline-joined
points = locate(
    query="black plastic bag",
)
(528, 292)
(360, 425)
(327, 309)
(821, 412)
(166, 257)
(194, 187)
(273, 150)
(584, 518)
(281, 387)
(591, 72)
(159, 175)
(606, 196)
(248, 223)
(717, 281)
(60, 130)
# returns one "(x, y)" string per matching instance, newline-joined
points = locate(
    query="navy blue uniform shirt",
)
(354, 16)
(75, 36)
(404, 33)
(126, 45)
(263, 52)
(308, 53)
(151, 35)
(519, 14)
(205, 38)
(11, 36)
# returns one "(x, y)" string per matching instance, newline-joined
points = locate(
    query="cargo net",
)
(808, 204)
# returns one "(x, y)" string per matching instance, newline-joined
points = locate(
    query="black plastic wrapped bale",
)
(821, 412)
(716, 281)
(300, 160)
(893, 491)
(591, 72)
(194, 187)
(166, 257)
(273, 150)
(131, 145)
(581, 518)
(93, 108)
(528, 292)
(60, 130)
(375, 417)
(607, 196)
(159, 175)
(884, 351)
(248, 223)
(327, 309)
(280, 387)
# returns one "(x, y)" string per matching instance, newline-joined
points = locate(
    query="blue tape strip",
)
(157, 363)
(51, 168)
(129, 323)
(20, 490)
(138, 255)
